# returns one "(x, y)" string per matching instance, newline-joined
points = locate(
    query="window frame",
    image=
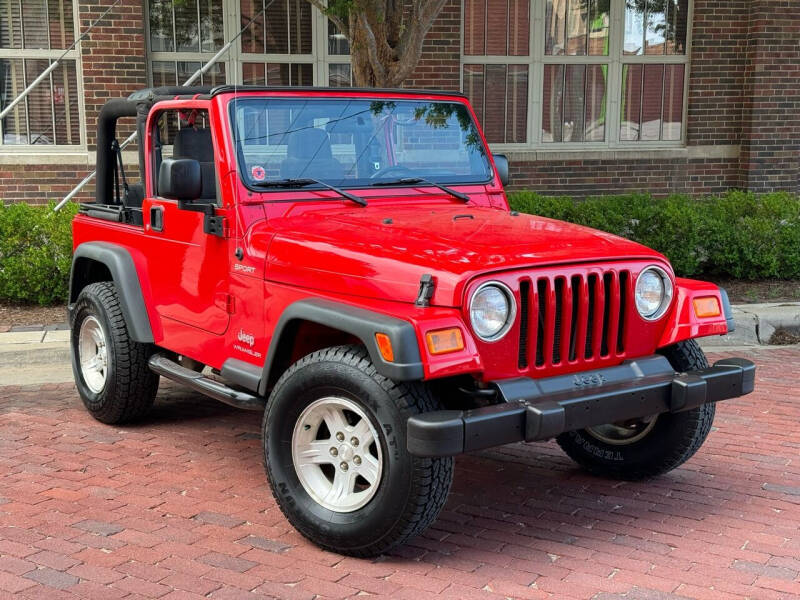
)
(74, 55)
(318, 58)
(537, 59)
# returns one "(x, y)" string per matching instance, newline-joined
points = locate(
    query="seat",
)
(196, 144)
(309, 155)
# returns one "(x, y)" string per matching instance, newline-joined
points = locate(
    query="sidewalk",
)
(23, 354)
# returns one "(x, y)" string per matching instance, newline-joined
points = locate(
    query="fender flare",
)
(123, 271)
(359, 322)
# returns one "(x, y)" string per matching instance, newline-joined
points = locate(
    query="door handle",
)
(157, 218)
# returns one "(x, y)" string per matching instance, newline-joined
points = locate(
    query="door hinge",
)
(214, 225)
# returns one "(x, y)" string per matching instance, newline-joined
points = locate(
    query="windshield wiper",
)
(299, 183)
(412, 180)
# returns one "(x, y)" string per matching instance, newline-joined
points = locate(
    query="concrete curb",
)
(21, 355)
(757, 323)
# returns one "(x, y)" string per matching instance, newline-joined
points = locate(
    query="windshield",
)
(356, 142)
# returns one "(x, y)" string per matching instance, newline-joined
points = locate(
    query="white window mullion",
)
(614, 83)
(536, 81)
(232, 15)
(319, 32)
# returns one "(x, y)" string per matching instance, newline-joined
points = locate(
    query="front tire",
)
(335, 454)
(644, 449)
(111, 372)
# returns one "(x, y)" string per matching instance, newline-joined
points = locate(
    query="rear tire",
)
(645, 449)
(335, 453)
(111, 371)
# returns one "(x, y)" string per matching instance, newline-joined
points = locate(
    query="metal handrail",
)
(199, 73)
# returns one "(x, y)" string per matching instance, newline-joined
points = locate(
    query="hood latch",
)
(427, 285)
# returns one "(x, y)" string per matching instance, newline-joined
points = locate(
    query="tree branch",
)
(372, 47)
(340, 24)
(409, 50)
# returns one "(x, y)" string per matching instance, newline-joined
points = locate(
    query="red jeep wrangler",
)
(346, 262)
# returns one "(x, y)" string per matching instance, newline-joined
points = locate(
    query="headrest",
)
(308, 143)
(194, 143)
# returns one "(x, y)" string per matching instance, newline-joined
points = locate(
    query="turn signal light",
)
(385, 346)
(707, 306)
(443, 341)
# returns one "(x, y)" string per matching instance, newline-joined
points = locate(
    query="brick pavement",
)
(178, 508)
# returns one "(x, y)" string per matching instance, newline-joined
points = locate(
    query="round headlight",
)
(653, 293)
(491, 311)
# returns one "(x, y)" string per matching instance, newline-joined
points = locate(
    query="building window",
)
(277, 47)
(288, 43)
(183, 36)
(602, 73)
(32, 34)
(338, 57)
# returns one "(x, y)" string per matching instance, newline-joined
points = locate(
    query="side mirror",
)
(501, 164)
(180, 179)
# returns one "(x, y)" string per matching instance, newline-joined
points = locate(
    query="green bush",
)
(739, 234)
(35, 253)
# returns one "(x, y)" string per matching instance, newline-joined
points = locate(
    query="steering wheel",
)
(400, 170)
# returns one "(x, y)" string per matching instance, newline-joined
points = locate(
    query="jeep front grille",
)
(569, 318)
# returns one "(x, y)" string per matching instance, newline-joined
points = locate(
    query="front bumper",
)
(538, 409)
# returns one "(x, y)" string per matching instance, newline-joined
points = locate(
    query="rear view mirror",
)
(180, 179)
(501, 165)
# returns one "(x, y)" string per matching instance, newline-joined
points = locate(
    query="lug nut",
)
(357, 459)
(340, 436)
(344, 466)
(334, 452)
(354, 441)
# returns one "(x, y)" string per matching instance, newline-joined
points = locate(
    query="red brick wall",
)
(659, 176)
(441, 52)
(38, 184)
(716, 73)
(114, 63)
(770, 157)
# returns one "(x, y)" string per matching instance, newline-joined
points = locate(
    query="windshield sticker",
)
(258, 173)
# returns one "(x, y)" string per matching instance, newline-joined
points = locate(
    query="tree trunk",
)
(386, 37)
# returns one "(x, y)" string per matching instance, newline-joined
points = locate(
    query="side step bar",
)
(214, 389)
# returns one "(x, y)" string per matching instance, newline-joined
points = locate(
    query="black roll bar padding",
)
(168, 91)
(106, 156)
(142, 110)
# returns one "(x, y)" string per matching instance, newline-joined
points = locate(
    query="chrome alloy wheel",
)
(337, 454)
(622, 434)
(93, 354)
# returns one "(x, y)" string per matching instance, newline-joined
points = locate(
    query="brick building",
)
(585, 96)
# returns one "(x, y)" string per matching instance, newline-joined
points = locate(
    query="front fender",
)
(362, 324)
(682, 322)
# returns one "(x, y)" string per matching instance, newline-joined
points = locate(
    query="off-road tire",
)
(130, 385)
(672, 441)
(412, 490)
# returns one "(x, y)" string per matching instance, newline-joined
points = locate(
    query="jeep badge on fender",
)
(345, 262)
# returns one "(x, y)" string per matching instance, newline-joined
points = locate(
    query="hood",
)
(381, 252)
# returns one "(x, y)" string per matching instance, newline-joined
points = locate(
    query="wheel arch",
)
(352, 321)
(100, 261)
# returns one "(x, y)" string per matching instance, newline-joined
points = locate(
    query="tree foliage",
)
(386, 36)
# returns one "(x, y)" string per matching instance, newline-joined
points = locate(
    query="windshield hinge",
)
(427, 285)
